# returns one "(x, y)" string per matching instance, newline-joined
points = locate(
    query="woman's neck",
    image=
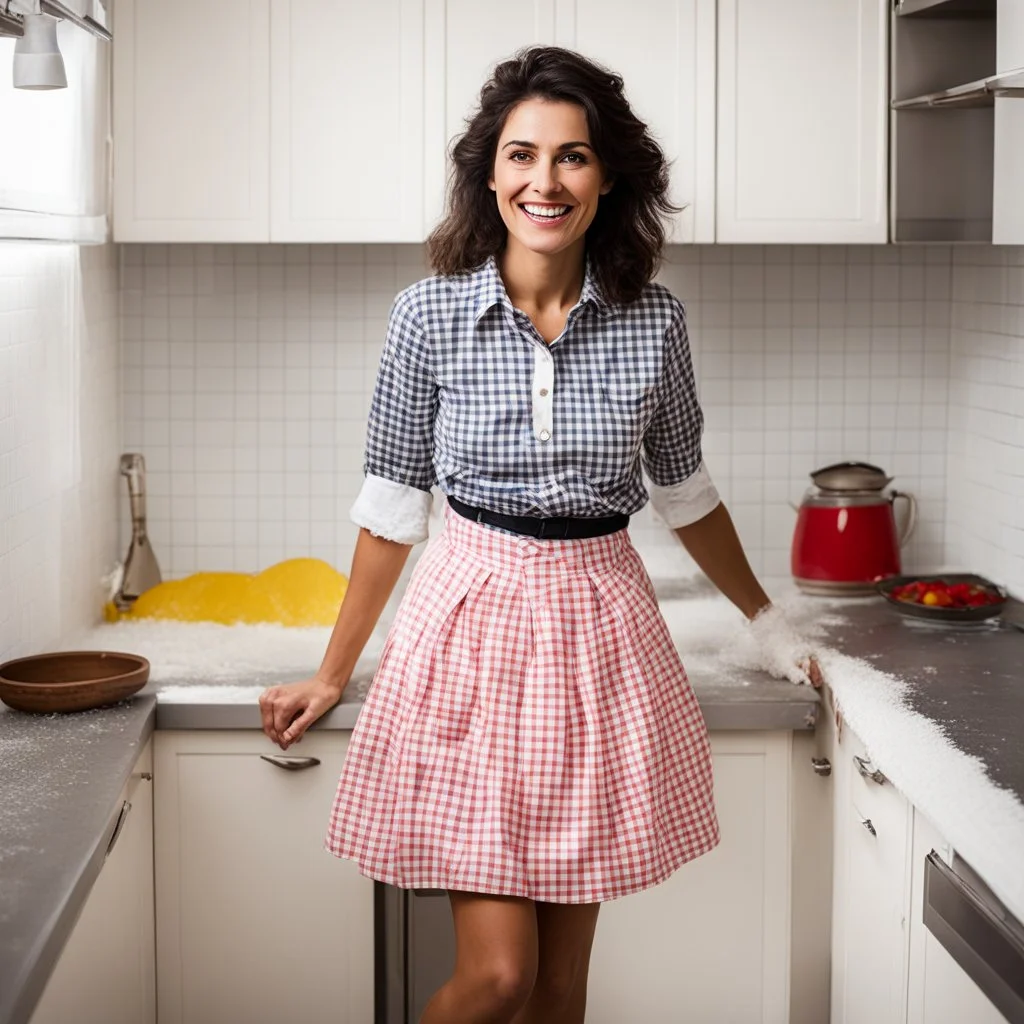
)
(540, 283)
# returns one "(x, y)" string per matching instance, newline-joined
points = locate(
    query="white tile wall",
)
(248, 370)
(59, 439)
(985, 521)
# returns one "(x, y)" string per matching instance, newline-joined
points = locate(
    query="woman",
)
(530, 742)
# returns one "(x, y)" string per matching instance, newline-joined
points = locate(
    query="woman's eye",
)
(519, 153)
(575, 158)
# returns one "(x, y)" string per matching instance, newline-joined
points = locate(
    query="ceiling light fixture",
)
(10, 25)
(38, 63)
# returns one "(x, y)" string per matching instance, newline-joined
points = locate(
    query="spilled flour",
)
(983, 821)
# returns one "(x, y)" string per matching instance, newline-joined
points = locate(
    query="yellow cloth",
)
(297, 592)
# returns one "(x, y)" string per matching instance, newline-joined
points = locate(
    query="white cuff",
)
(393, 511)
(685, 503)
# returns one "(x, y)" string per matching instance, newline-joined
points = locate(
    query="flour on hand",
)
(783, 652)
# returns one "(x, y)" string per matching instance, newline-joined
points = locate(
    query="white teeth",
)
(545, 211)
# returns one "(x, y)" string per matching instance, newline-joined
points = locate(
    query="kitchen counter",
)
(60, 777)
(62, 774)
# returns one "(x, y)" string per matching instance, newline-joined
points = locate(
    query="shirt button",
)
(545, 435)
(543, 392)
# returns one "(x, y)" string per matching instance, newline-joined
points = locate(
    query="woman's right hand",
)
(290, 709)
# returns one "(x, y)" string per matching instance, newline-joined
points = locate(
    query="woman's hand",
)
(783, 652)
(289, 710)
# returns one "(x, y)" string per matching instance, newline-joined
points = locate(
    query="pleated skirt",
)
(530, 730)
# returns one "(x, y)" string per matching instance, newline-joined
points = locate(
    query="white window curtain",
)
(54, 146)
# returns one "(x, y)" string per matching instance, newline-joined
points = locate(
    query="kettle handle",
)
(908, 526)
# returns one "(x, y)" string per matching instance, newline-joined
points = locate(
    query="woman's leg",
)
(495, 961)
(565, 936)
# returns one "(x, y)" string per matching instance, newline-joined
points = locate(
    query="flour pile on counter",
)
(206, 653)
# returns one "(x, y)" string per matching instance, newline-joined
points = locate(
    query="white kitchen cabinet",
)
(191, 121)
(802, 121)
(667, 60)
(940, 991)
(712, 943)
(256, 922)
(1008, 131)
(347, 121)
(465, 40)
(106, 973)
(870, 890)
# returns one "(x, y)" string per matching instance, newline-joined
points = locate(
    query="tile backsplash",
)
(59, 439)
(247, 372)
(985, 485)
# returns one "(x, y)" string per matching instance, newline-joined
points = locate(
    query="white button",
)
(543, 392)
(545, 435)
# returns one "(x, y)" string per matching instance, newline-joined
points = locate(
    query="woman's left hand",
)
(783, 652)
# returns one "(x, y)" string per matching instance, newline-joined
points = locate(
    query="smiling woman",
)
(531, 743)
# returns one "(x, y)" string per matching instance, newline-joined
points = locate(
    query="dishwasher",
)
(414, 950)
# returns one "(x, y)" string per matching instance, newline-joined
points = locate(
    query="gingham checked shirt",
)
(470, 397)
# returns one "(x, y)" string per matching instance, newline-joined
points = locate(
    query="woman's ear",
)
(607, 186)
(490, 184)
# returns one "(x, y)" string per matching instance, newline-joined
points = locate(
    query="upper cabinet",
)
(802, 126)
(191, 121)
(311, 121)
(466, 39)
(667, 60)
(346, 119)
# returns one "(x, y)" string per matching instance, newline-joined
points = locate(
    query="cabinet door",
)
(465, 40)
(940, 991)
(802, 126)
(1008, 172)
(712, 942)
(347, 105)
(871, 894)
(666, 57)
(256, 922)
(191, 121)
(107, 971)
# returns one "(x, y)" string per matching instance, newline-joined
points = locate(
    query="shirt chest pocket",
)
(624, 410)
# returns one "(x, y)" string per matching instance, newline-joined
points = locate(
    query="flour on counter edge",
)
(940, 780)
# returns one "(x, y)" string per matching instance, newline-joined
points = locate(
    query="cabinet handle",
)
(821, 765)
(869, 771)
(866, 822)
(292, 764)
(121, 818)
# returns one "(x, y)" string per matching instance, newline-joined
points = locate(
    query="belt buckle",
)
(551, 534)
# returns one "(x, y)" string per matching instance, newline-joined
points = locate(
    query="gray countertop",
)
(61, 774)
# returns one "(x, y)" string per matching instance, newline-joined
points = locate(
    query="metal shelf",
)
(946, 8)
(981, 93)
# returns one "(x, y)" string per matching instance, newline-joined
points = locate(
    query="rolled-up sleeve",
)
(395, 499)
(681, 487)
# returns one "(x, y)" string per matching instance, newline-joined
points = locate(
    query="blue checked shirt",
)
(470, 397)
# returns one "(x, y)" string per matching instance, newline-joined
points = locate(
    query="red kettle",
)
(846, 536)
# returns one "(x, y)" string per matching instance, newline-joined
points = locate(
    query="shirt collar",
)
(490, 291)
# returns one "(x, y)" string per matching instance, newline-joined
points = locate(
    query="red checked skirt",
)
(530, 730)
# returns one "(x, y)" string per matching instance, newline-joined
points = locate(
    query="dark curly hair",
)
(625, 240)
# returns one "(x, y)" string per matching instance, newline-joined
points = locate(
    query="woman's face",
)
(547, 179)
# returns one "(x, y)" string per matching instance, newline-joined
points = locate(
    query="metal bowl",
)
(934, 614)
(850, 476)
(71, 680)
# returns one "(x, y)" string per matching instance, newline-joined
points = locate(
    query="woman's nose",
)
(546, 179)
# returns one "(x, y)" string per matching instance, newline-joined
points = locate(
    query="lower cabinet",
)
(106, 973)
(870, 890)
(713, 942)
(254, 919)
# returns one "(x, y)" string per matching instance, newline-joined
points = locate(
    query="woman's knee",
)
(505, 982)
(557, 981)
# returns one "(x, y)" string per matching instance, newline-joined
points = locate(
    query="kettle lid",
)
(850, 476)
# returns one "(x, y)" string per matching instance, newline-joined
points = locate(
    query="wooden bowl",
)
(71, 680)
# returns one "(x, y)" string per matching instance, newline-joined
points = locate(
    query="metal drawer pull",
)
(291, 764)
(821, 765)
(122, 817)
(866, 822)
(869, 771)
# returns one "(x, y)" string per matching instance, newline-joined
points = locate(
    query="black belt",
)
(555, 528)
